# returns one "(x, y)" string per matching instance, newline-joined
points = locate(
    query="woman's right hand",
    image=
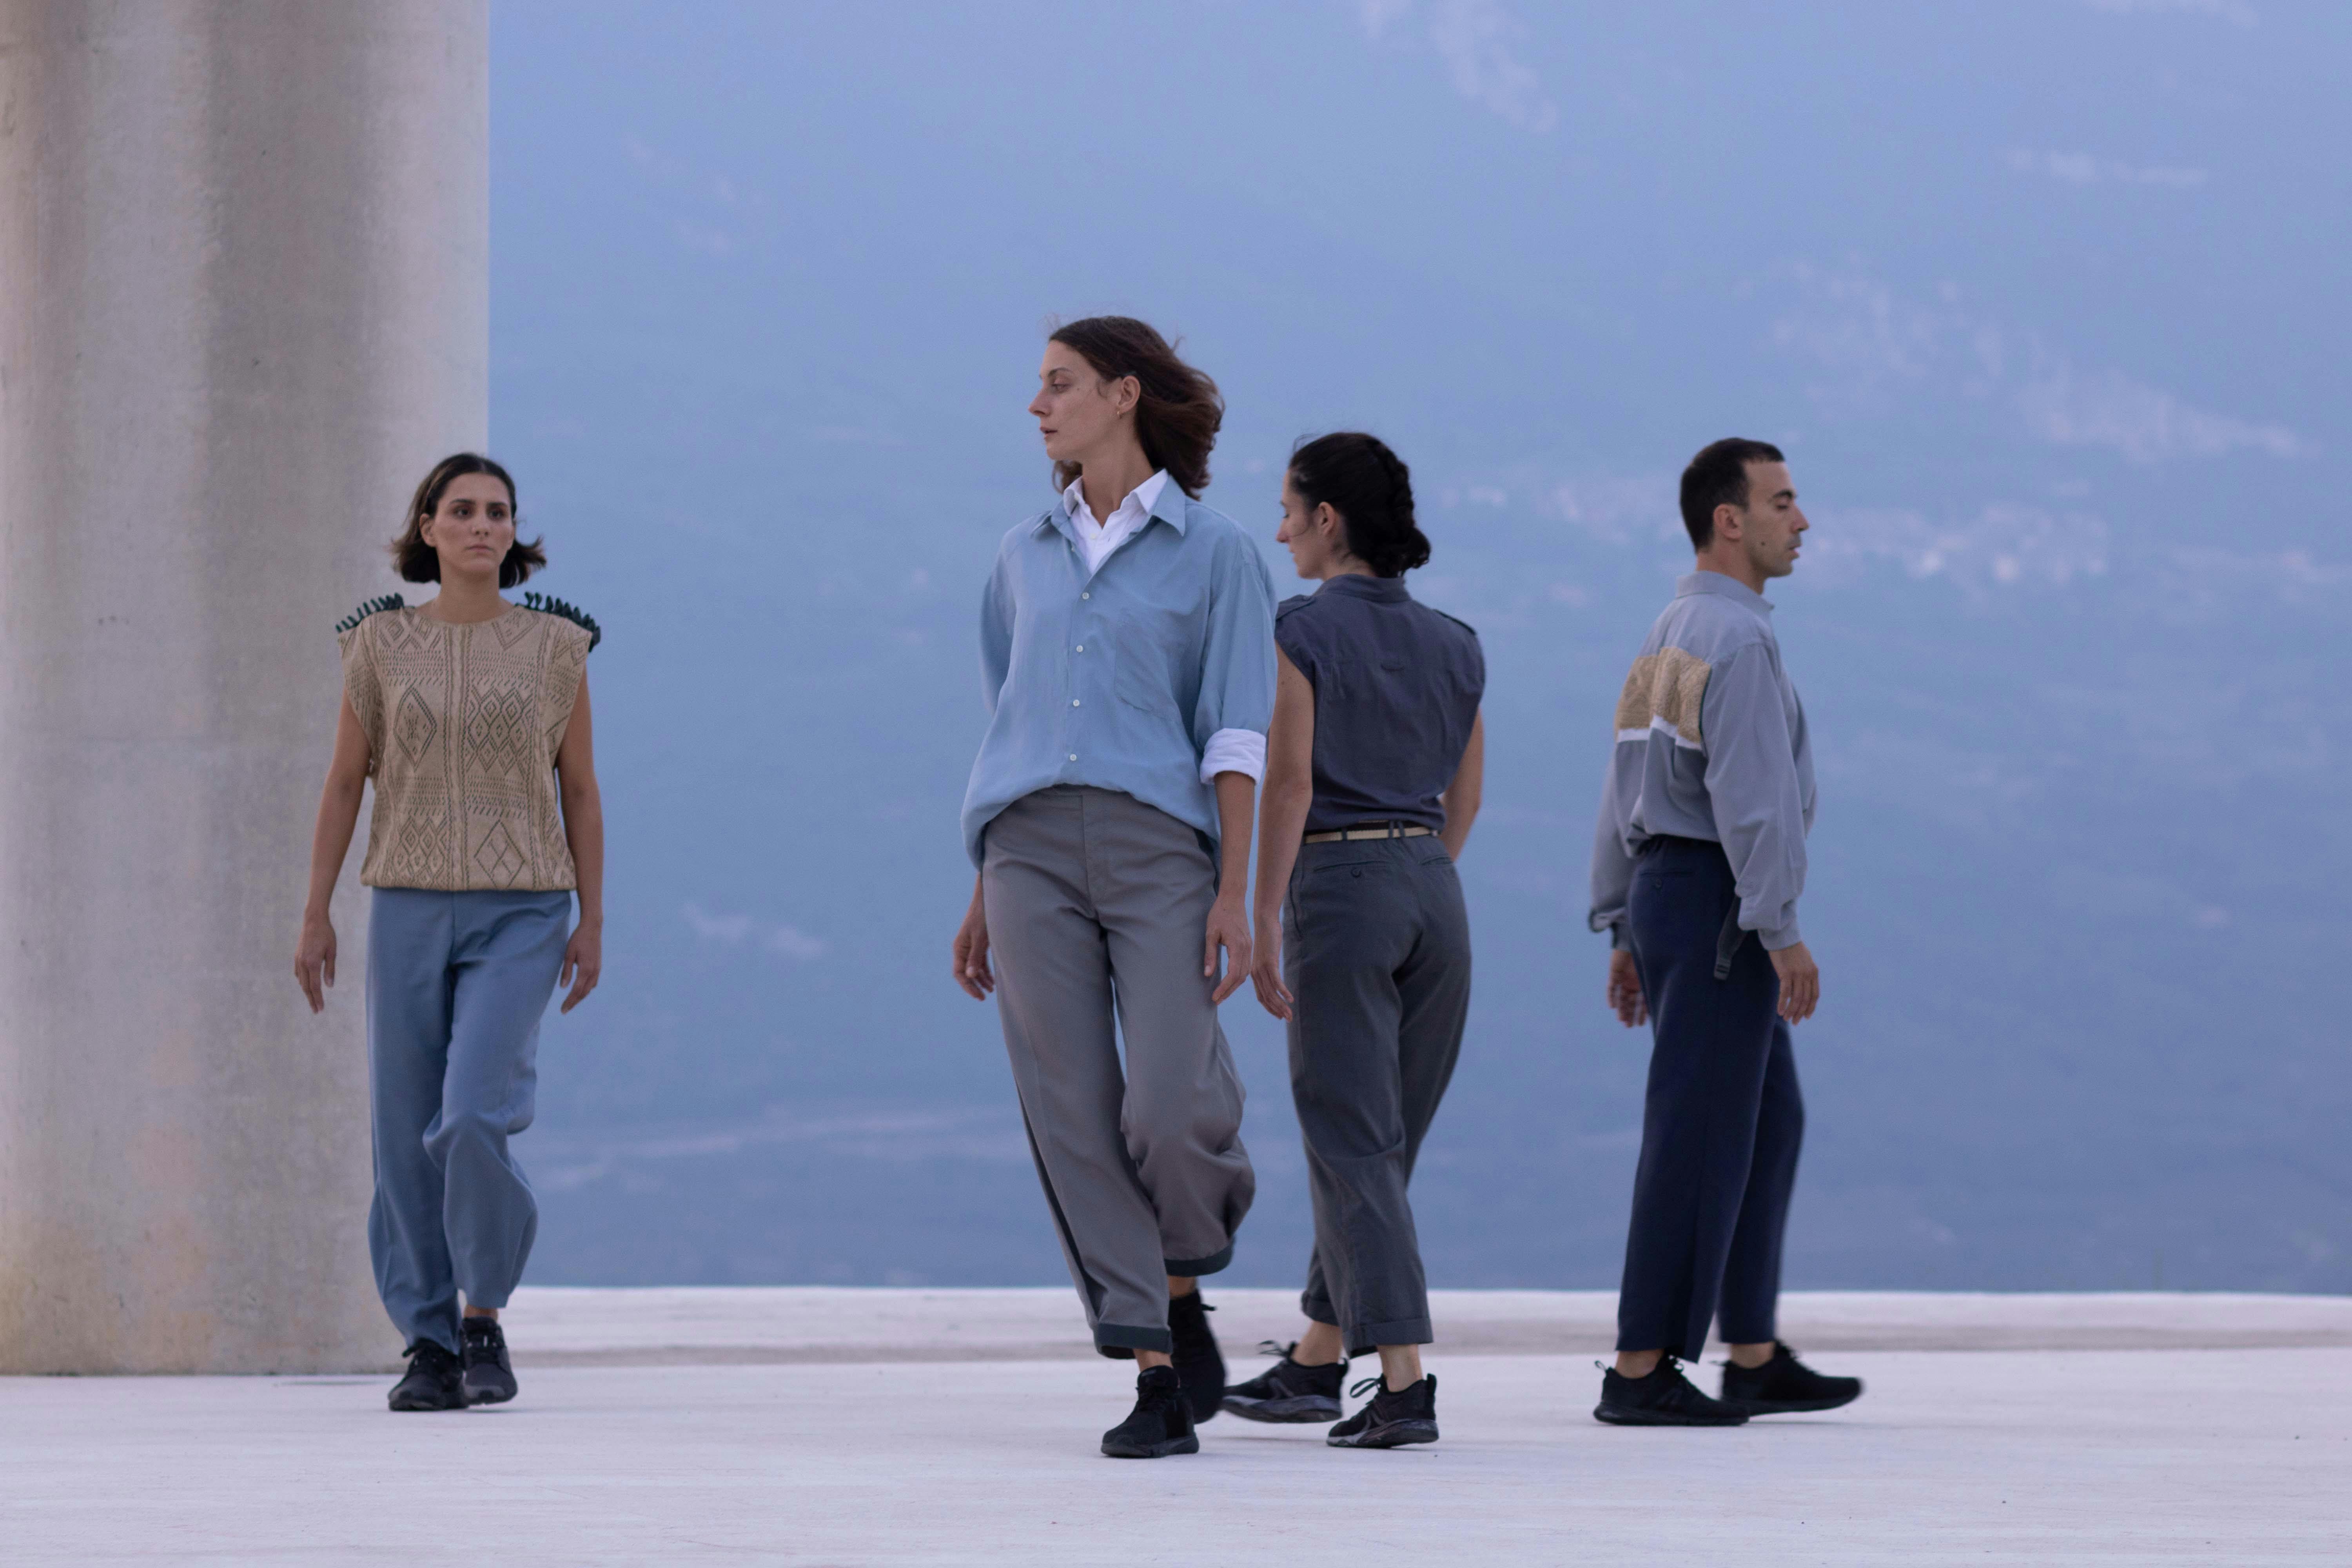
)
(314, 960)
(1266, 968)
(970, 962)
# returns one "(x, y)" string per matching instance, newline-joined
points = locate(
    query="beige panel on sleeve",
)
(1668, 684)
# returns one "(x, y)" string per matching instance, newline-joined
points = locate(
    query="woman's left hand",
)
(1265, 972)
(583, 964)
(1228, 929)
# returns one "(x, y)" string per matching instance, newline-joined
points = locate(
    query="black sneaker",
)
(1198, 1361)
(1785, 1385)
(490, 1376)
(1287, 1391)
(432, 1382)
(1390, 1420)
(1664, 1398)
(1161, 1423)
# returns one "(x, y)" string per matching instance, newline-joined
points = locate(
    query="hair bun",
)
(1372, 489)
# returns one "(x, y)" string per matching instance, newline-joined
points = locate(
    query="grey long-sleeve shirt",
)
(1711, 744)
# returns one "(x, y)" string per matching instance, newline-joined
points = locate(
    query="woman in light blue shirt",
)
(1127, 656)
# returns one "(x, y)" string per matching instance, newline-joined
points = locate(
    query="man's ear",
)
(1727, 522)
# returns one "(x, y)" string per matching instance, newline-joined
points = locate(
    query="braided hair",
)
(1372, 489)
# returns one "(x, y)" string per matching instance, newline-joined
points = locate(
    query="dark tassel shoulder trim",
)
(371, 608)
(572, 612)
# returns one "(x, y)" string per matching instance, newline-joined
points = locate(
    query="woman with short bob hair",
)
(1363, 943)
(470, 714)
(1126, 654)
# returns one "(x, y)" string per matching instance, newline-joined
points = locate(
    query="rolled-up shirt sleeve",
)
(1236, 664)
(1234, 752)
(1751, 780)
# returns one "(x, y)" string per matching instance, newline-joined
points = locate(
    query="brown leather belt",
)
(1370, 830)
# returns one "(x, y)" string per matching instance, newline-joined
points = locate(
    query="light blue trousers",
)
(457, 983)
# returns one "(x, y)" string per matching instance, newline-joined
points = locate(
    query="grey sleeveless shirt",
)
(1397, 686)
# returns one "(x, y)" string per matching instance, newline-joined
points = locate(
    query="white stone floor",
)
(819, 1427)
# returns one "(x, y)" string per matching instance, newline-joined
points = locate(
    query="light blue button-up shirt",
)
(1118, 677)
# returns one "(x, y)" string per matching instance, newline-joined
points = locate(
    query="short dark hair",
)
(1372, 489)
(420, 562)
(1718, 476)
(1180, 410)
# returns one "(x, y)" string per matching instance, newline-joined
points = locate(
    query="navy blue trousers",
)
(1722, 1121)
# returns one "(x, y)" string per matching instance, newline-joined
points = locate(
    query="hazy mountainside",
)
(2057, 383)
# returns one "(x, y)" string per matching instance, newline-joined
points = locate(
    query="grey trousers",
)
(1096, 905)
(1376, 952)
(455, 986)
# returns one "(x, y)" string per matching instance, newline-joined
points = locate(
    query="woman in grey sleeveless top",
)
(1363, 946)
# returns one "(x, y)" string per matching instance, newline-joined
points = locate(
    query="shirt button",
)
(1074, 756)
(1074, 703)
(1082, 648)
(1086, 596)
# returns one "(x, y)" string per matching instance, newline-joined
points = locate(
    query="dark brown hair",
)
(1177, 416)
(1718, 476)
(1372, 489)
(419, 562)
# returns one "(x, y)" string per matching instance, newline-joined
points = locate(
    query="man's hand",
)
(1625, 998)
(1228, 928)
(1801, 983)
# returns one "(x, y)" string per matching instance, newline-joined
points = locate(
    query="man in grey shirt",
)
(1697, 866)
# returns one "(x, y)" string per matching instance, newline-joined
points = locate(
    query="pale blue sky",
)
(2043, 300)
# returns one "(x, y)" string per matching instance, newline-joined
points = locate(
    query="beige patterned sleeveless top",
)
(463, 724)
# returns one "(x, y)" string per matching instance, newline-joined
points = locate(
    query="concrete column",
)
(244, 305)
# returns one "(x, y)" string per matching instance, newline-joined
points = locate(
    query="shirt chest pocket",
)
(1158, 668)
(1144, 678)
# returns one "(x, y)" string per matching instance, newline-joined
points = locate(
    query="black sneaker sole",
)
(1633, 1415)
(1792, 1406)
(492, 1396)
(454, 1402)
(1187, 1443)
(1298, 1410)
(1392, 1434)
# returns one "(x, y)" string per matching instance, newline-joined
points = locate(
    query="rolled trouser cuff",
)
(1369, 1337)
(1193, 1267)
(1119, 1341)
